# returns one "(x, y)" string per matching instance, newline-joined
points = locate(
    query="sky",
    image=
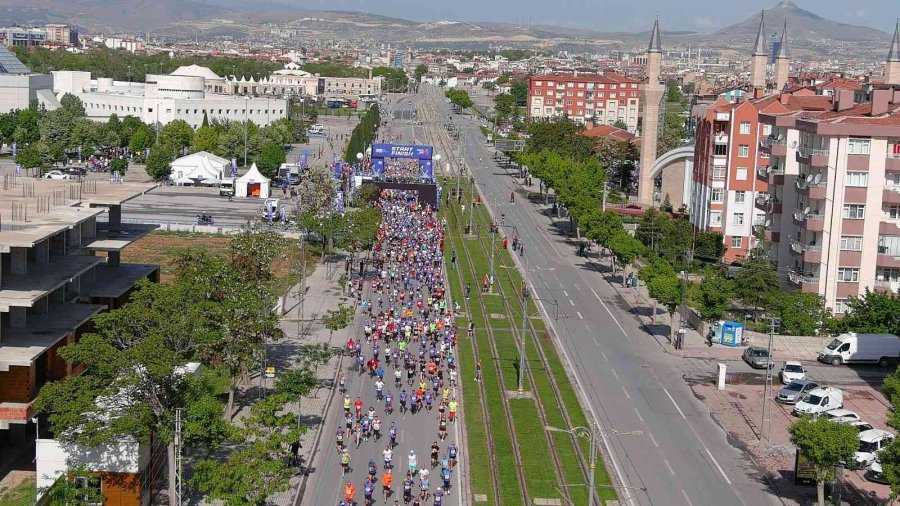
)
(611, 15)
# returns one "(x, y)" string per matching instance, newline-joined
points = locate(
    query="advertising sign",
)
(401, 151)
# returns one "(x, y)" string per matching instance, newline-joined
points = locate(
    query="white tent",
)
(252, 184)
(199, 168)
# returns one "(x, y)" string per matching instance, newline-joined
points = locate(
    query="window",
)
(894, 212)
(715, 195)
(858, 146)
(848, 274)
(737, 242)
(743, 150)
(889, 245)
(538, 83)
(741, 174)
(718, 173)
(538, 92)
(745, 127)
(857, 179)
(570, 93)
(854, 211)
(767, 129)
(851, 243)
(740, 196)
(737, 219)
(580, 93)
(841, 306)
(89, 490)
(720, 149)
(715, 218)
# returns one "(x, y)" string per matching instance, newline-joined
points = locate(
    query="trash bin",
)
(634, 281)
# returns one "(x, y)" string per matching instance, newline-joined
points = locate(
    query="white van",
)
(226, 187)
(871, 442)
(818, 401)
(317, 129)
(849, 348)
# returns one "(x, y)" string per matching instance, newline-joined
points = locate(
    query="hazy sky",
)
(610, 15)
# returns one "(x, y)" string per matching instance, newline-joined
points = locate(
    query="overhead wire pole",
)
(766, 415)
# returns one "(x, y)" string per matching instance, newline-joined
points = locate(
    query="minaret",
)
(782, 61)
(652, 97)
(760, 57)
(892, 66)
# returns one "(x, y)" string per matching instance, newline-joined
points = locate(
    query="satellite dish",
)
(806, 211)
(794, 145)
(768, 222)
(817, 179)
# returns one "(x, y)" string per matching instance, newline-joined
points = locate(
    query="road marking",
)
(565, 293)
(578, 288)
(614, 373)
(570, 302)
(588, 327)
(641, 418)
(579, 315)
(717, 465)
(595, 294)
(613, 317)
(680, 412)
(545, 283)
(604, 356)
(686, 498)
(626, 392)
(669, 466)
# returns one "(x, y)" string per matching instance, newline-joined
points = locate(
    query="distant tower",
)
(892, 66)
(760, 57)
(652, 97)
(782, 61)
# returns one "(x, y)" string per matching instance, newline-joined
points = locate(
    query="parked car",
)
(871, 442)
(792, 371)
(57, 174)
(876, 474)
(819, 400)
(76, 171)
(758, 357)
(795, 390)
(883, 349)
(860, 425)
(841, 416)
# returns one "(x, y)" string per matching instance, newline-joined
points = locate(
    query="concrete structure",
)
(60, 250)
(759, 59)
(590, 99)
(61, 34)
(652, 96)
(19, 86)
(165, 98)
(672, 175)
(782, 61)
(892, 65)
(19, 36)
(293, 81)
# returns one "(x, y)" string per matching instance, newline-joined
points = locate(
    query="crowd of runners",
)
(406, 355)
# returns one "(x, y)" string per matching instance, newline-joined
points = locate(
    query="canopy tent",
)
(199, 168)
(252, 184)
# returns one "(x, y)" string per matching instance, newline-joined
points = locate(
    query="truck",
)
(226, 187)
(883, 349)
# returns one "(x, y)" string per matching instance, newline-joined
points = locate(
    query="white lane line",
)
(578, 288)
(613, 317)
(545, 283)
(595, 294)
(669, 467)
(625, 392)
(614, 373)
(680, 412)
(588, 327)
(641, 418)
(579, 315)
(604, 356)
(717, 465)
(686, 498)
(565, 293)
(570, 302)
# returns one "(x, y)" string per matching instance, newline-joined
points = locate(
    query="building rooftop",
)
(23, 290)
(9, 64)
(21, 346)
(114, 282)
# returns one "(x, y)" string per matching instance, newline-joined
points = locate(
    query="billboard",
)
(402, 151)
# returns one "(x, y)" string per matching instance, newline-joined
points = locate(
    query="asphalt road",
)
(631, 383)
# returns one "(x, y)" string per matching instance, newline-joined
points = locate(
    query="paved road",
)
(631, 383)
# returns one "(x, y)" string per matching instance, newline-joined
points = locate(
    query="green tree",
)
(802, 313)
(141, 139)
(177, 135)
(159, 163)
(489, 85)
(561, 135)
(673, 133)
(620, 124)
(667, 290)
(824, 443)
(652, 228)
(118, 164)
(620, 159)
(72, 105)
(659, 277)
(338, 318)
(519, 91)
(756, 284)
(625, 248)
(459, 98)
(205, 139)
(714, 297)
(270, 159)
(421, 70)
(709, 247)
(505, 106)
(29, 157)
(872, 313)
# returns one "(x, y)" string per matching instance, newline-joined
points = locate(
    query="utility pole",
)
(472, 204)
(524, 296)
(246, 121)
(592, 465)
(605, 191)
(178, 457)
(766, 422)
(684, 287)
(301, 290)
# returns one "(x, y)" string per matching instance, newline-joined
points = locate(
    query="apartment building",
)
(61, 34)
(60, 264)
(595, 99)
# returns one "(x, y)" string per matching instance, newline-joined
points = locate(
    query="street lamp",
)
(589, 434)
(246, 122)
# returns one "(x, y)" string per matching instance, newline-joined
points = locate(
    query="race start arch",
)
(416, 152)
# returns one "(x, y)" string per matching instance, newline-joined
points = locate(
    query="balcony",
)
(812, 156)
(809, 253)
(806, 281)
(887, 285)
(892, 163)
(774, 146)
(720, 138)
(891, 195)
(772, 236)
(762, 199)
(887, 259)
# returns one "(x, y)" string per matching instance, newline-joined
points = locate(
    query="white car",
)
(871, 442)
(792, 371)
(57, 174)
(841, 416)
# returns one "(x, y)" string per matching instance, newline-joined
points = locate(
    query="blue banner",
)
(427, 170)
(402, 151)
(338, 170)
(378, 165)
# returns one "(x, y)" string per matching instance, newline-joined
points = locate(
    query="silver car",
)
(794, 391)
(758, 357)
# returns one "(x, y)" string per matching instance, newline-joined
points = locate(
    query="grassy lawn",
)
(21, 495)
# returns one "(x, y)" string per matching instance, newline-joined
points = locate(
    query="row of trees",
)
(363, 134)
(216, 311)
(459, 98)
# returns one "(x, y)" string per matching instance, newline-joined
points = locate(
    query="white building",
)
(19, 86)
(183, 95)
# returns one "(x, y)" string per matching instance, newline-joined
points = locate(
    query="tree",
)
(714, 297)
(141, 140)
(625, 248)
(177, 135)
(519, 91)
(667, 290)
(873, 313)
(118, 164)
(709, 247)
(505, 105)
(159, 163)
(338, 318)
(673, 133)
(72, 105)
(756, 284)
(489, 85)
(29, 157)
(270, 159)
(421, 70)
(620, 159)
(561, 135)
(620, 124)
(205, 139)
(459, 98)
(660, 279)
(652, 227)
(825, 444)
(802, 313)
